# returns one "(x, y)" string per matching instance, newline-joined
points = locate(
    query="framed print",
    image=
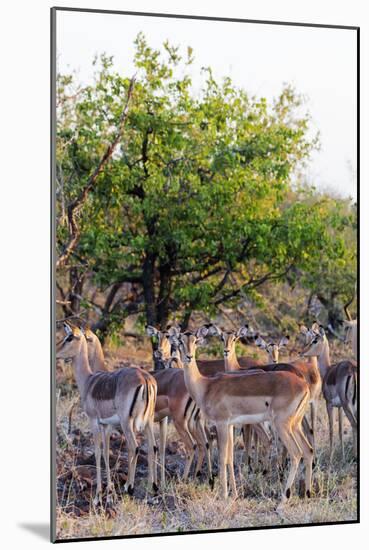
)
(204, 284)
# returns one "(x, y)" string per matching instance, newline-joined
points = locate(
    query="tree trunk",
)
(162, 310)
(76, 281)
(149, 288)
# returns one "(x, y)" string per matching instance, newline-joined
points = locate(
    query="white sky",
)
(319, 62)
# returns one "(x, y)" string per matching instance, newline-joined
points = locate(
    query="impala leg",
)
(152, 454)
(256, 444)
(208, 455)
(284, 457)
(133, 450)
(308, 454)
(265, 441)
(352, 419)
(247, 434)
(204, 433)
(314, 418)
(106, 430)
(330, 420)
(190, 447)
(230, 460)
(209, 439)
(200, 444)
(162, 447)
(340, 431)
(97, 442)
(204, 447)
(308, 431)
(295, 453)
(222, 434)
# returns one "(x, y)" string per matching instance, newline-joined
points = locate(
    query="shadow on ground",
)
(42, 530)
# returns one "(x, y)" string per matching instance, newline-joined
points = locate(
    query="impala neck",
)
(324, 360)
(354, 340)
(97, 362)
(195, 382)
(313, 362)
(230, 361)
(81, 366)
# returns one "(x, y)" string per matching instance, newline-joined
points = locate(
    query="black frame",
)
(53, 28)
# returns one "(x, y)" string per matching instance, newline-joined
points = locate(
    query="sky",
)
(320, 63)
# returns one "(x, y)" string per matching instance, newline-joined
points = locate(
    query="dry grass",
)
(189, 506)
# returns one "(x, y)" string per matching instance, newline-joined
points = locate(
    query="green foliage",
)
(198, 197)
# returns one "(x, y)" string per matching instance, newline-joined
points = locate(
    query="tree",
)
(332, 277)
(193, 205)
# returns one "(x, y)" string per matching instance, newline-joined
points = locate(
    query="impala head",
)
(229, 338)
(272, 348)
(315, 341)
(162, 350)
(349, 326)
(187, 342)
(70, 345)
(309, 334)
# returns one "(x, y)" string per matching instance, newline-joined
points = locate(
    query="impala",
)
(271, 347)
(308, 370)
(126, 396)
(231, 364)
(351, 335)
(228, 399)
(339, 384)
(173, 400)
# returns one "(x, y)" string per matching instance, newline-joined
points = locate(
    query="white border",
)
(24, 230)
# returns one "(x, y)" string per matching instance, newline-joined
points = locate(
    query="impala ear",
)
(242, 331)
(284, 341)
(213, 330)
(173, 331)
(89, 335)
(174, 339)
(151, 331)
(303, 329)
(315, 328)
(261, 343)
(202, 332)
(67, 328)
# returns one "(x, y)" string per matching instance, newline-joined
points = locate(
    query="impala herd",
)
(269, 402)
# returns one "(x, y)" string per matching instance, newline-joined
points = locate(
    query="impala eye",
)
(69, 338)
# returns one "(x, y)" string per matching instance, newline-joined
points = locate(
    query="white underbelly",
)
(248, 419)
(110, 420)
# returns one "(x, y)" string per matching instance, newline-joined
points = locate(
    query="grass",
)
(188, 506)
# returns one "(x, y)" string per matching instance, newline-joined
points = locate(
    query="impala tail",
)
(143, 404)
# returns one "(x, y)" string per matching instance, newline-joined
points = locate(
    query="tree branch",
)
(77, 204)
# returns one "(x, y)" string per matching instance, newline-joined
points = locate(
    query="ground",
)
(188, 506)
